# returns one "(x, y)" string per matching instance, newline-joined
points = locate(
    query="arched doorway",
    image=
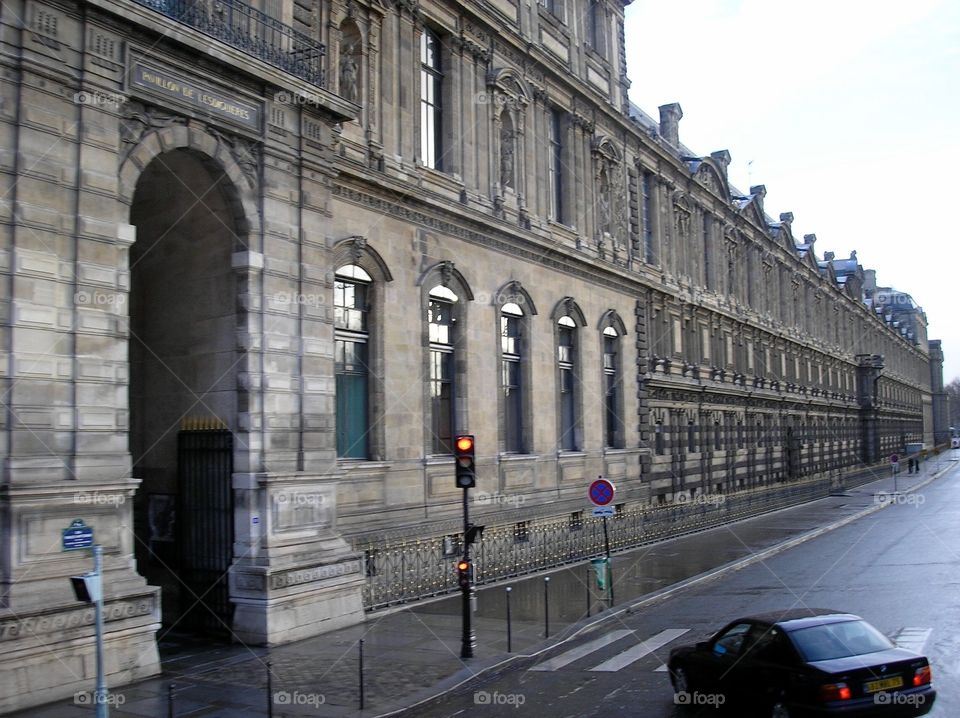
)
(183, 401)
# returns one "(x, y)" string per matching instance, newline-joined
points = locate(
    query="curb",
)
(459, 680)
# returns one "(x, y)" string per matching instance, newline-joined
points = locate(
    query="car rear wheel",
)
(779, 710)
(678, 677)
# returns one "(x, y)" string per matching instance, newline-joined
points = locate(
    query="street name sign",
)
(77, 536)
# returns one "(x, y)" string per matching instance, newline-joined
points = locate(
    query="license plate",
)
(883, 685)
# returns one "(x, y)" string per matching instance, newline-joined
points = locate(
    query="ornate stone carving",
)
(138, 119)
(246, 153)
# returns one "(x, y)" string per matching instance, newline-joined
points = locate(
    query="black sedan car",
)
(810, 662)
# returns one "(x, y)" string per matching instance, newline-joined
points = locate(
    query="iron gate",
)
(205, 511)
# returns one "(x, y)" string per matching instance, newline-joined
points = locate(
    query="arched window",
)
(351, 290)
(613, 429)
(442, 327)
(511, 376)
(566, 366)
(612, 332)
(568, 318)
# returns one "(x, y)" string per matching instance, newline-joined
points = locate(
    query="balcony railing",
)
(237, 24)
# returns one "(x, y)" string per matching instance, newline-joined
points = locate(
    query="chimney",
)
(828, 256)
(786, 218)
(722, 158)
(759, 191)
(869, 281)
(810, 239)
(670, 123)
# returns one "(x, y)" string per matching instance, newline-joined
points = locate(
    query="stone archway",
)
(183, 379)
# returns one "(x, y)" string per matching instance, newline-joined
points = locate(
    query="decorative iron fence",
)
(237, 24)
(406, 570)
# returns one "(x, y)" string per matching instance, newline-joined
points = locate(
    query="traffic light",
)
(464, 571)
(463, 450)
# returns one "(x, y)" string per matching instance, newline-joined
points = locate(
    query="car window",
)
(839, 640)
(768, 644)
(732, 640)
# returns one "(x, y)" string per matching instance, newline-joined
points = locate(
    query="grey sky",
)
(849, 111)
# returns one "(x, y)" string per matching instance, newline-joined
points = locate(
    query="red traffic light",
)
(464, 574)
(463, 451)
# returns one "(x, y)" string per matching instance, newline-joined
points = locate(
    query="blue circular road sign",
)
(601, 492)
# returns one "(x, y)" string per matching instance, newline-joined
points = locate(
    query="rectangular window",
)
(351, 369)
(568, 413)
(441, 370)
(708, 251)
(658, 438)
(352, 400)
(611, 386)
(717, 437)
(555, 169)
(554, 7)
(739, 434)
(511, 383)
(646, 187)
(431, 105)
(691, 438)
(595, 25)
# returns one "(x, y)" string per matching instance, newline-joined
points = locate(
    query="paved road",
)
(899, 568)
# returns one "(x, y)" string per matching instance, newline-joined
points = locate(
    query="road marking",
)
(913, 639)
(621, 660)
(579, 652)
(661, 669)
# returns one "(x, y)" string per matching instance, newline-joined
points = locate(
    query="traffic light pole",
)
(469, 639)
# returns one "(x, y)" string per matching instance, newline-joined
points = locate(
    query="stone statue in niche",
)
(603, 202)
(507, 150)
(348, 74)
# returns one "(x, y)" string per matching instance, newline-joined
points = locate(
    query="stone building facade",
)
(261, 262)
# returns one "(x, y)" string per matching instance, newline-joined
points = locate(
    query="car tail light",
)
(835, 692)
(923, 676)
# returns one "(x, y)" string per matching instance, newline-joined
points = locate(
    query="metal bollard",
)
(361, 674)
(509, 627)
(587, 585)
(269, 689)
(171, 708)
(546, 607)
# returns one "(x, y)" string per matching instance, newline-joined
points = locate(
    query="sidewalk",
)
(412, 654)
